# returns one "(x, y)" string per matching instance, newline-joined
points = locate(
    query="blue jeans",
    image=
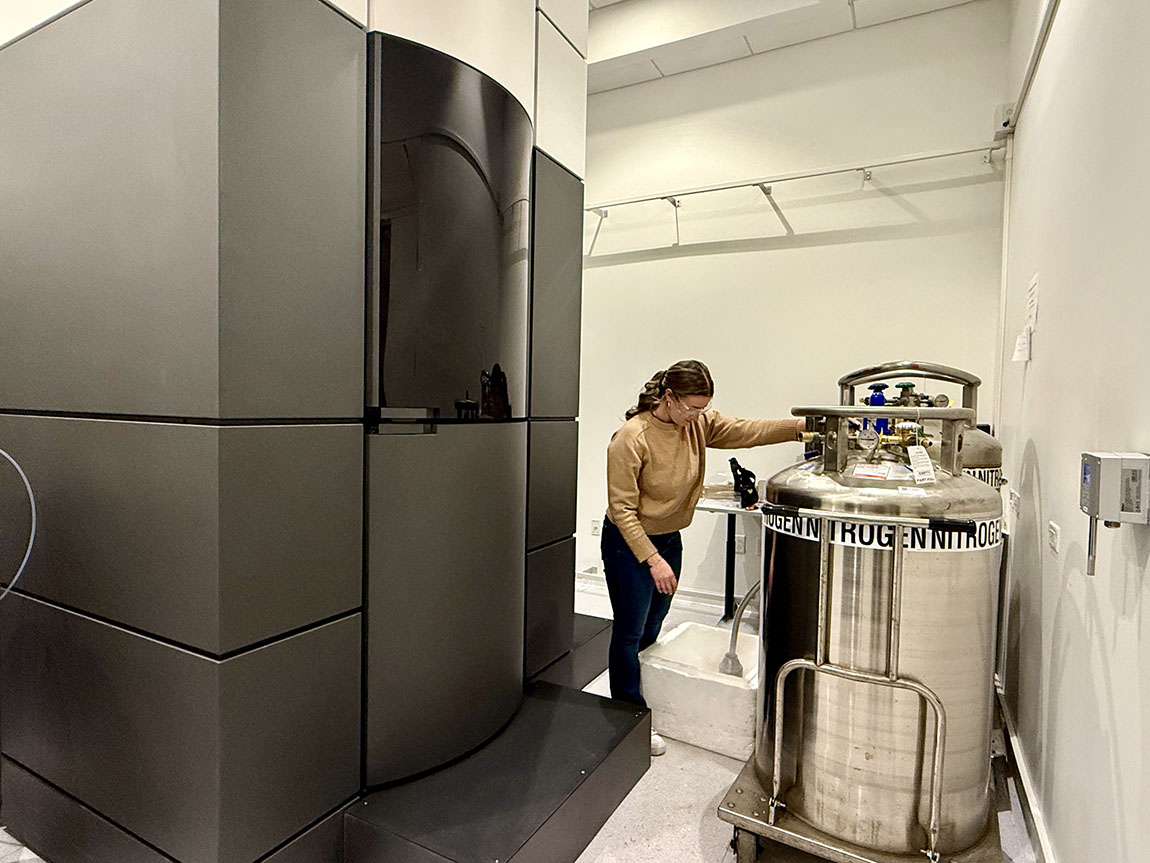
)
(638, 609)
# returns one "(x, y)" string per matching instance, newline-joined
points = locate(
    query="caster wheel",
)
(746, 846)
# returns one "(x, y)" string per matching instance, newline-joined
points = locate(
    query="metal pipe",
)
(824, 590)
(730, 663)
(675, 203)
(766, 190)
(909, 521)
(894, 629)
(937, 761)
(602, 214)
(1092, 545)
(805, 175)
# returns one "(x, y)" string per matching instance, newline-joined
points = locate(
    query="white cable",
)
(32, 537)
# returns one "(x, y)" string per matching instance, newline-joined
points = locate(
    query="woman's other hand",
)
(662, 574)
(800, 427)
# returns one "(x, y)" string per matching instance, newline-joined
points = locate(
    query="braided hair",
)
(684, 378)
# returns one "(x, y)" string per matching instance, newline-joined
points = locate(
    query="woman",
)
(655, 466)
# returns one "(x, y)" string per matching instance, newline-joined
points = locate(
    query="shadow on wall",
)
(1024, 653)
(1075, 666)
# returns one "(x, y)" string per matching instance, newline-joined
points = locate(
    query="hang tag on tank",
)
(921, 464)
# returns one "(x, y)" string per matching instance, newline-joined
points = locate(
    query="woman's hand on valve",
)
(662, 574)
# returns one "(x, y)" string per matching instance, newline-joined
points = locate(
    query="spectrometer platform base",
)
(537, 793)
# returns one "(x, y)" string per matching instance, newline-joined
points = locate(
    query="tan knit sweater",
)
(655, 469)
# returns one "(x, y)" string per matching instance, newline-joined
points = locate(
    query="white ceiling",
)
(632, 41)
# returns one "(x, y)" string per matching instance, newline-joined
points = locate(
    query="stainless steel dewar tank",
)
(877, 661)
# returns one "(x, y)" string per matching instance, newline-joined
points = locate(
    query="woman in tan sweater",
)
(655, 467)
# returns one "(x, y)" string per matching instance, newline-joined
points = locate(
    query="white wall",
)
(1079, 667)
(905, 267)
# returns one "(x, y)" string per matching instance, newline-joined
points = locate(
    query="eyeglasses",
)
(691, 410)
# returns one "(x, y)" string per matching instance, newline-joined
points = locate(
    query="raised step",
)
(537, 793)
(587, 658)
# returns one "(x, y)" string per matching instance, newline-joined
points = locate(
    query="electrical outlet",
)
(740, 544)
(1054, 537)
(596, 526)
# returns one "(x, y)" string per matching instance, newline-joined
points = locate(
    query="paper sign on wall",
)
(1022, 346)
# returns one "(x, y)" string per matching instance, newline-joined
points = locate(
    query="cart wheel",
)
(746, 846)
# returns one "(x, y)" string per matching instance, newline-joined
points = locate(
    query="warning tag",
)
(872, 471)
(921, 464)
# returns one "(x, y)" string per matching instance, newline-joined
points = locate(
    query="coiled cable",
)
(32, 536)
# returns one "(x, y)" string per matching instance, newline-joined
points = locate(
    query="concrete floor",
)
(11, 850)
(670, 815)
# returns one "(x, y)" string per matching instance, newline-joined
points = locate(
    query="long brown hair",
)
(684, 378)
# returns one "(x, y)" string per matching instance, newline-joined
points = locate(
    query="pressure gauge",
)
(940, 401)
(868, 438)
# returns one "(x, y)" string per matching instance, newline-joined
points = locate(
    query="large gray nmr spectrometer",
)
(876, 702)
(298, 533)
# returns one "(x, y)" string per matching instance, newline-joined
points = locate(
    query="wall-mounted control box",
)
(1116, 486)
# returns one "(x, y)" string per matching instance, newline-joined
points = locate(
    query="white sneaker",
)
(658, 744)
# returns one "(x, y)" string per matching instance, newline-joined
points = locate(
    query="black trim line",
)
(171, 642)
(549, 543)
(170, 420)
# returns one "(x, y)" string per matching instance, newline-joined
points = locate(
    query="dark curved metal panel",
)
(448, 231)
(444, 598)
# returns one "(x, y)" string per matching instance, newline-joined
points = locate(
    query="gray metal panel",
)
(290, 734)
(550, 623)
(291, 528)
(445, 592)
(556, 289)
(552, 475)
(211, 537)
(588, 657)
(366, 843)
(128, 520)
(108, 228)
(292, 139)
(125, 724)
(210, 762)
(58, 828)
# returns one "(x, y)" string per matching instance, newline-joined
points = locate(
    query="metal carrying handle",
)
(890, 679)
(912, 368)
(954, 420)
